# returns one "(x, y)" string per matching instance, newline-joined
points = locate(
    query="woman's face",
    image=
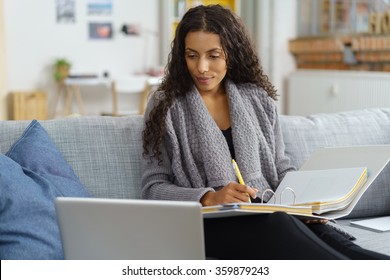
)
(205, 60)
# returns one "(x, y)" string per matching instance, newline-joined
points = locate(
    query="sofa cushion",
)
(32, 174)
(104, 152)
(303, 135)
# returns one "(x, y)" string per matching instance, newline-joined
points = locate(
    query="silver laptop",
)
(118, 229)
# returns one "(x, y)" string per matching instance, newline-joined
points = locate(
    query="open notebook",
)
(328, 185)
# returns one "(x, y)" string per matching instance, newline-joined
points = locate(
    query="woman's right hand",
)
(231, 193)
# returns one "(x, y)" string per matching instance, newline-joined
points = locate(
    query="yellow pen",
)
(238, 174)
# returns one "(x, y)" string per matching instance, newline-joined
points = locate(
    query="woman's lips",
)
(203, 80)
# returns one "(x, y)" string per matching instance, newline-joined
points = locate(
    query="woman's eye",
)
(214, 56)
(191, 55)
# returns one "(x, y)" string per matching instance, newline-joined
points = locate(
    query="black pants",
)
(278, 236)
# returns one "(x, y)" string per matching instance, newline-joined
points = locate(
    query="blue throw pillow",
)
(32, 174)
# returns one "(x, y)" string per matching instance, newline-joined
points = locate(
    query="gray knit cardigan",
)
(195, 154)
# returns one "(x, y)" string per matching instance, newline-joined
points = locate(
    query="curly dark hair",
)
(242, 65)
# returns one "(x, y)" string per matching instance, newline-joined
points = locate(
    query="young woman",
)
(215, 104)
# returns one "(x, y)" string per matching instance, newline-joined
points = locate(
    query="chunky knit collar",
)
(246, 138)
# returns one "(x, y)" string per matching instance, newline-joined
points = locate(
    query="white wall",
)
(284, 28)
(3, 74)
(34, 40)
(273, 24)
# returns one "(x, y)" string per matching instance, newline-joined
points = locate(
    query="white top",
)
(87, 81)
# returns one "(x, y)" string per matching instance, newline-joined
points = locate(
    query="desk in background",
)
(129, 84)
(71, 88)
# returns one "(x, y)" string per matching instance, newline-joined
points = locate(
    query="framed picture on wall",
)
(65, 11)
(99, 7)
(100, 30)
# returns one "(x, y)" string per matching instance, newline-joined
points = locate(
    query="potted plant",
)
(62, 68)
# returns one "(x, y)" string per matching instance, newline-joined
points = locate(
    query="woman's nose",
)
(203, 65)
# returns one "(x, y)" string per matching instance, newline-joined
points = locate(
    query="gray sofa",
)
(105, 154)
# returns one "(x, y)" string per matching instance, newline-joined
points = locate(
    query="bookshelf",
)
(331, 17)
(343, 35)
(350, 52)
(342, 55)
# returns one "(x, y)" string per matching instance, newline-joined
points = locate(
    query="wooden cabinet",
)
(28, 105)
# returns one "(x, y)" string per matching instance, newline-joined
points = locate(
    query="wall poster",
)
(99, 7)
(65, 11)
(100, 30)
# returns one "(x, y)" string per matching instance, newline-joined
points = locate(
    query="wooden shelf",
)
(369, 52)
